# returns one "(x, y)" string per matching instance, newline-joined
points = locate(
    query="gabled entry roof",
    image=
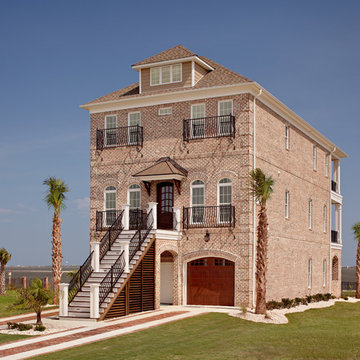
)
(164, 169)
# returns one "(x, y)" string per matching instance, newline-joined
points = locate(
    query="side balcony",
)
(209, 127)
(119, 137)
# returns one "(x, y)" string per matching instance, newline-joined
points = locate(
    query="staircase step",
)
(79, 315)
(80, 309)
(80, 303)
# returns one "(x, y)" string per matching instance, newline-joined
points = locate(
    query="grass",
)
(4, 338)
(329, 333)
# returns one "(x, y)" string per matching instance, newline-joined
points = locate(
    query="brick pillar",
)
(24, 282)
(46, 282)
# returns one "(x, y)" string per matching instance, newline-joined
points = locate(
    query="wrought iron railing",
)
(111, 235)
(115, 272)
(120, 136)
(79, 279)
(140, 235)
(208, 216)
(104, 219)
(111, 278)
(334, 236)
(209, 127)
(136, 218)
(333, 186)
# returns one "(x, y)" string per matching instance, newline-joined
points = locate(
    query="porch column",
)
(95, 247)
(94, 301)
(176, 225)
(340, 223)
(126, 216)
(153, 206)
(64, 294)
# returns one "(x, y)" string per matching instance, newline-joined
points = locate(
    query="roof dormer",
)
(174, 68)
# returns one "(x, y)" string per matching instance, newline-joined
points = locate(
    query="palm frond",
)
(261, 187)
(55, 195)
(356, 230)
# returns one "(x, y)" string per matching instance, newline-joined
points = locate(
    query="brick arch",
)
(197, 175)
(168, 247)
(224, 173)
(335, 268)
(209, 253)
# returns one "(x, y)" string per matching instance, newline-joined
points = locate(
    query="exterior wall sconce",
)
(207, 236)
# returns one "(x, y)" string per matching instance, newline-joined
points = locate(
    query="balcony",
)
(119, 137)
(333, 186)
(334, 237)
(209, 127)
(104, 219)
(208, 217)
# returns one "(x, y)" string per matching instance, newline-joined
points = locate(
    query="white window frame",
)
(106, 136)
(165, 111)
(129, 132)
(327, 165)
(309, 273)
(192, 186)
(324, 272)
(287, 204)
(315, 157)
(171, 74)
(287, 137)
(111, 191)
(218, 197)
(310, 214)
(134, 190)
(232, 111)
(194, 119)
(325, 219)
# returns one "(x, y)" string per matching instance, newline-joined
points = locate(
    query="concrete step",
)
(80, 309)
(80, 303)
(79, 315)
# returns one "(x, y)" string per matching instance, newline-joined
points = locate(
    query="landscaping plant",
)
(34, 298)
(261, 188)
(4, 259)
(356, 230)
(55, 198)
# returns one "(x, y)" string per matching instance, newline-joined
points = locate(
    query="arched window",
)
(197, 201)
(134, 198)
(110, 205)
(335, 268)
(225, 200)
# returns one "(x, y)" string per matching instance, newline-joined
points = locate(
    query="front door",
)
(165, 200)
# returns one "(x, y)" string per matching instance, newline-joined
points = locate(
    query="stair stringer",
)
(127, 279)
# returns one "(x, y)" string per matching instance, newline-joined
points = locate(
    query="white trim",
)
(167, 234)
(159, 177)
(310, 210)
(287, 204)
(192, 73)
(133, 190)
(181, 60)
(287, 137)
(218, 196)
(165, 108)
(336, 197)
(106, 133)
(325, 212)
(171, 81)
(140, 87)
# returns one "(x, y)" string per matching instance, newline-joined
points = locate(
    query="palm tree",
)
(4, 259)
(261, 188)
(55, 197)
(356, 230)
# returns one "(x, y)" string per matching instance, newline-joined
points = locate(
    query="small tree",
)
(4, 259)
(356, 230)
(261, 187)
(34, 297)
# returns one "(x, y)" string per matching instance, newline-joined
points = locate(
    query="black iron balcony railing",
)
(209, 127)
(333, 185)
(208, 216)
(104, 219)
(136, 218)
(334, 236)
(120, 136)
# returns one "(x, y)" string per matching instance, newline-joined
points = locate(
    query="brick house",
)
(172, 220)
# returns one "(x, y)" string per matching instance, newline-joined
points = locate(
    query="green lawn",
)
(7, 300)
(330, 333)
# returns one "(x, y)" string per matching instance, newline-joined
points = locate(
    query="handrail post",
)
(126, 216)
(94, 301)
(64, 294)
(95, 247)
(176, 226)
(153, 206)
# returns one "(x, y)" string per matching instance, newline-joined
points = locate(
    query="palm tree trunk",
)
(261, 262)
(38, 318)
(56, 255)
(358, 271)
(2, 280)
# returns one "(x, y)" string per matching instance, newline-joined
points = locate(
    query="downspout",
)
(254, 202)
(330, 225)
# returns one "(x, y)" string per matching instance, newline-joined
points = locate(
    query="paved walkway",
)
(84, 332)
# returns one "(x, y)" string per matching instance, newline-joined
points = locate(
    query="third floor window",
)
(165, 74)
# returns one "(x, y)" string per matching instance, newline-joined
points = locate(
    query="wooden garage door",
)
(210, 281)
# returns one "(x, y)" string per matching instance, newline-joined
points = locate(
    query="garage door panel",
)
(210, 281)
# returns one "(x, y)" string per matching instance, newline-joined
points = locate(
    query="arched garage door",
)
(210, 281)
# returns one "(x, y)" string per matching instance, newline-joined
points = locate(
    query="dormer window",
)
(162, 75)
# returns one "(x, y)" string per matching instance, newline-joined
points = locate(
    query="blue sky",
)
(56, 55)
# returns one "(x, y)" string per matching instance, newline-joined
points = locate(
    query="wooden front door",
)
(210, 281)
(165, 200)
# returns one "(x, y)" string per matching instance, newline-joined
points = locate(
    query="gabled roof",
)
(176, 52)
(164, 168)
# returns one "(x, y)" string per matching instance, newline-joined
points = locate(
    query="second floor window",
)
(134, 119)
(197, 120)
(134, 196)
(110, 205)
(110, 130)
(225, 109)
(197, 201)
(225, 200)
(165, 74)
(287, 137)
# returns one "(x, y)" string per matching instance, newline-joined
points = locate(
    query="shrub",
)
(309, 298)
(318, 297)
(345, 297)
(327, 296)
(24, 327)
(287, 303)
(12, 325)
(297, 301)
(40, 327)
(271, 305)
(304, 301)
